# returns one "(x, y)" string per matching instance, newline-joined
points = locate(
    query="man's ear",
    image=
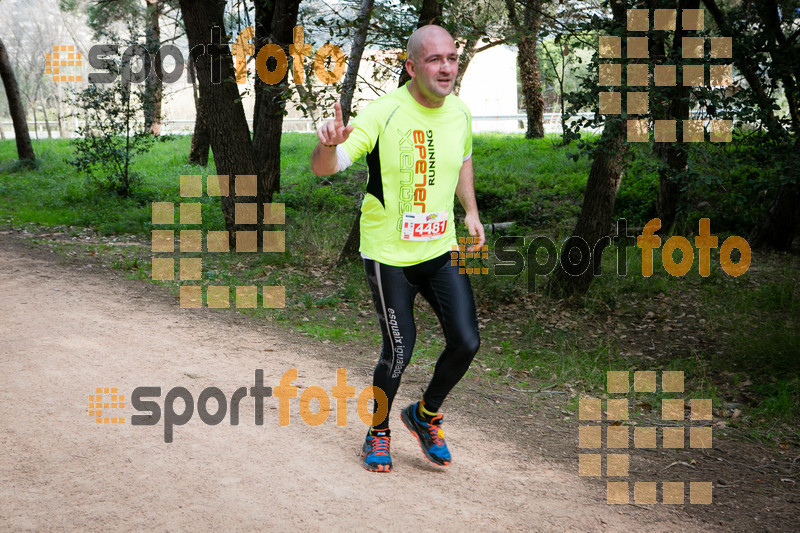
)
(410, 68)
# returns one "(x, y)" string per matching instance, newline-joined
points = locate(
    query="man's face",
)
(435, 67)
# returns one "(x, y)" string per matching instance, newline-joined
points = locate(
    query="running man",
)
(418, 143)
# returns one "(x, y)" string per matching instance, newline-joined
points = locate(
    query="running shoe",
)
(376, 451)
(429, 435)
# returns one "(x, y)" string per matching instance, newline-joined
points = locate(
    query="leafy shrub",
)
(110, 136)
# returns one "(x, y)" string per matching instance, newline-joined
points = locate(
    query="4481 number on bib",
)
(423, 226)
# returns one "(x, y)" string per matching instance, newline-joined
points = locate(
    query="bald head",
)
(432, 63)
(424, 35)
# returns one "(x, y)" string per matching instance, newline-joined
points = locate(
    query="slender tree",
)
(153, 86)
(201, 141)
(526, 35)
(781, 224)
(675, 102)
(274, 22)
(350, 248)
(101, 14)
(224, 115)
(221, 110)
(605, 176)
(356, 52)
(24, 147)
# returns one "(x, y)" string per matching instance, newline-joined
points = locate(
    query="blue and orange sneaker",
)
(376, 451)
(429, 434)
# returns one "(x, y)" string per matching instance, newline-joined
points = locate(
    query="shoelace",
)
(380, 445)
(436, 431)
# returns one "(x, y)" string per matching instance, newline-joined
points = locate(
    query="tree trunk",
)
(463, 61)
(47, 122)
(429, 13)
(351, 245)
(605, 177)
(528, 63)
(153, 84)
(357, 50)
(62, 127)
(275, 22)
(35, 122)
(353, 242)
(15, 108)
(561, 94)
(308, 97)
(674, 156)
(198, 153)
(531, 88)
(594, 221)
(669, 186)
(225, 120)
(564, 53)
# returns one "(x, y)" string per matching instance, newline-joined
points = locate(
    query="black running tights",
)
(450, 295)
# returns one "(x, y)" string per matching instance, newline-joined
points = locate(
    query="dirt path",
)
(65, 331)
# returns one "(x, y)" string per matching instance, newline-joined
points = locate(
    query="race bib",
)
(423, 226)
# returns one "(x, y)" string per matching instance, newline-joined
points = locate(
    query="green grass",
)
(53, 195)
(530, 182)
(747, 329)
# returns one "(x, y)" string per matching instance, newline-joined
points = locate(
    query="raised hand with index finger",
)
(334, 131)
